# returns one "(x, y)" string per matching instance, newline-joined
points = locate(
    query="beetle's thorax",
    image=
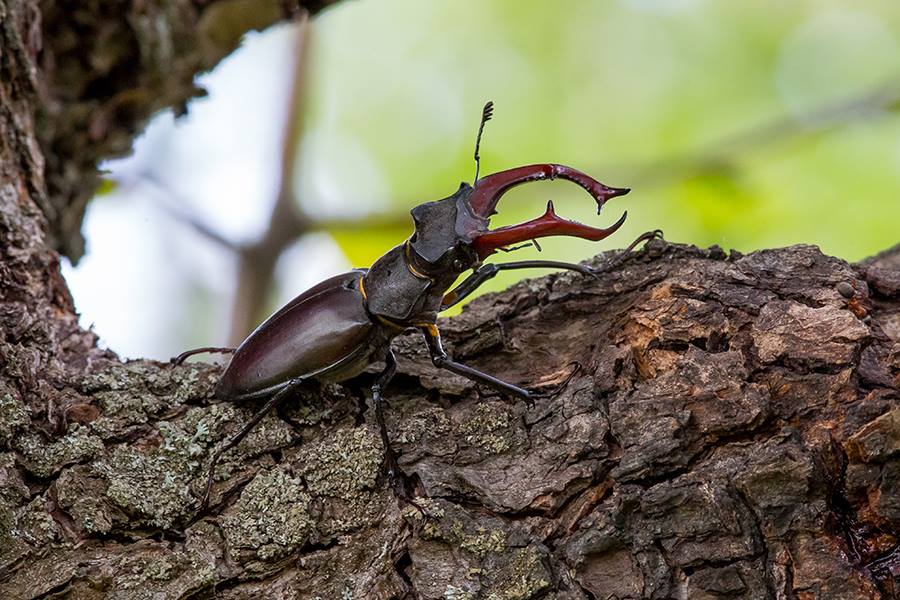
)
(395, 293)
(406, 286)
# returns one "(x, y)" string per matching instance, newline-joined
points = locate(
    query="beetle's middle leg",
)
(442, 361)
(234, 440)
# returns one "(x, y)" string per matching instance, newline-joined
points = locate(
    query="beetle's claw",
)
(397, 483)
(529, 399)
(535, 395)
(545, 394)
(555, 390)
(593, 272)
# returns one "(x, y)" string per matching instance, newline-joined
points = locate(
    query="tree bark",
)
(711, 425)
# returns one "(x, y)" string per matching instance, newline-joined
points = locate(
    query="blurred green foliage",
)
(669, 97)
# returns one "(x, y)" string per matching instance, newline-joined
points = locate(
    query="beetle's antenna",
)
(486, 114)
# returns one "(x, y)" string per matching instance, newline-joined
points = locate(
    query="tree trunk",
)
(711, 425)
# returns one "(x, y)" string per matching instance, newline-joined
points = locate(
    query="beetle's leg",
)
(188, 353)
(488, 271)
(442, 361)
(390, 458)
(240, 435)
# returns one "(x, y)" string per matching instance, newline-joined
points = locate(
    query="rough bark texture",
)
(714, 426)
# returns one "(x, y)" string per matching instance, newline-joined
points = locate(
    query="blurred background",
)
(746, 125)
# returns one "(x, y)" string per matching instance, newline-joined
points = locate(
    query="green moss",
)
(117, 377)
(6, 524)
(202, 429)
(455, 593)
(455, 527)
(186, 382)
(430, 507)
(343, 472)
(13, 492)
(138, 576)
(204, 547)
(34, 524)
(479, 542)
(166, 572)
(44, 459)
(153, 486)
(432, 421)
(138, 393)
(271, 517)
(83, 496)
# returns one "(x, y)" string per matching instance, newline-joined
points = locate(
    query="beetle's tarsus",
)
(618, 259)
(559, 387)
(529, 400)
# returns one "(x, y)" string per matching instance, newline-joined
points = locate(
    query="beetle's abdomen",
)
(324, 332)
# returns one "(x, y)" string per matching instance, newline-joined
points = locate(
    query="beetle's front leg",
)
(177, 360)
(442, 361)
(488, 271)
(619, 258)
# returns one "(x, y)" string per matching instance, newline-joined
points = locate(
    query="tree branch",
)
(731, 431)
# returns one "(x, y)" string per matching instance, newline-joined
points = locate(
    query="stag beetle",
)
(334, 330)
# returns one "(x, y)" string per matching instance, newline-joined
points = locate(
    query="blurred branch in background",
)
(256, 261)
(723, 153)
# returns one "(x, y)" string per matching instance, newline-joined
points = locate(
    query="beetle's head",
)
(442, 241)
(452, 234)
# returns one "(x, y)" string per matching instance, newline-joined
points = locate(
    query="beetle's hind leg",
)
(177, 360)
(234, 440)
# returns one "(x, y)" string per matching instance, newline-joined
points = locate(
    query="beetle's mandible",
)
(334, 330)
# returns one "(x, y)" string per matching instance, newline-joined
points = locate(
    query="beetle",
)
(337, 328)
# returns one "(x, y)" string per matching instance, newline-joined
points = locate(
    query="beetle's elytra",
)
(337, 328)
